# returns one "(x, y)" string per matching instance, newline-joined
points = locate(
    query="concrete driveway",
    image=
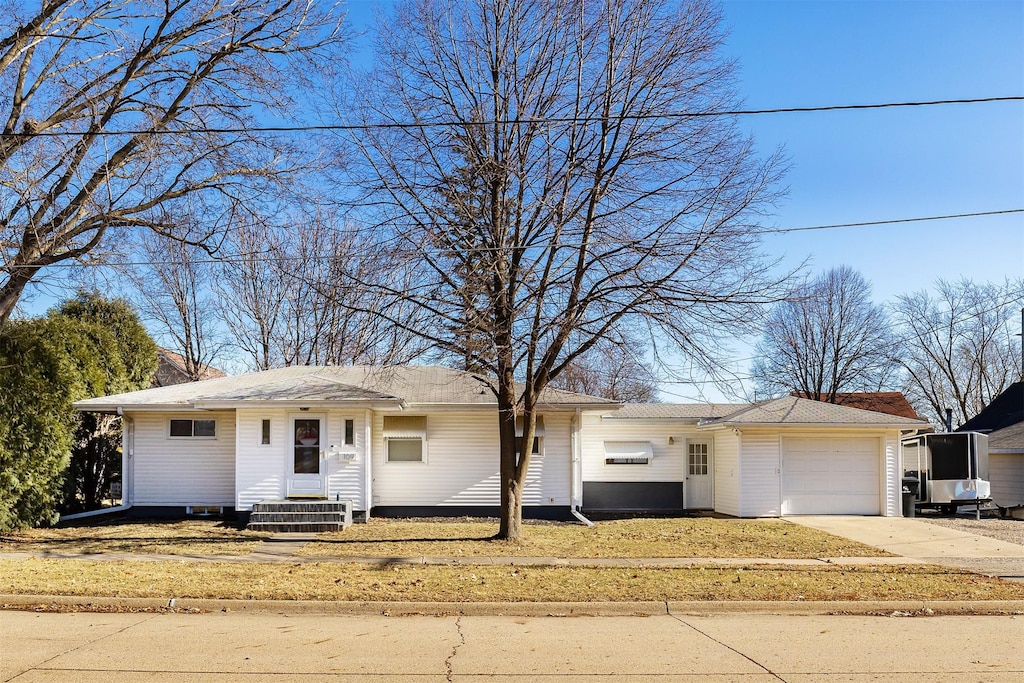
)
(918, 540)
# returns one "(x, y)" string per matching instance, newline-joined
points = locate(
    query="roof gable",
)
(793, 410)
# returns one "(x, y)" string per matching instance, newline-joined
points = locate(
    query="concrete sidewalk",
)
(670, 646)
(914, 539)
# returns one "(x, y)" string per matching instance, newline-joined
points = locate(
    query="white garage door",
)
(830, 476)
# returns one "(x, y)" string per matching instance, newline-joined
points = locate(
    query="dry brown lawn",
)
(626, 538)
(190, 537)
(361, 582)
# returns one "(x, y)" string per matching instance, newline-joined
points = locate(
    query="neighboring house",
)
(1003, 421)
(788, 456)
(171, 370)
(424, 440)
(890, 402)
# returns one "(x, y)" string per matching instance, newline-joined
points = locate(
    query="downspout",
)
(576, 476)
(126, 453)
(368, 462)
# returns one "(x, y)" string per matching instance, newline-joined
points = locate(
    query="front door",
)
(698, 490)
(306, 465)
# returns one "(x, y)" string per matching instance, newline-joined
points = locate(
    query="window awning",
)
(405, 426)
(539, 431)
(628, 452)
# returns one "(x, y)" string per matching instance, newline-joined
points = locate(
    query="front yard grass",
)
(188, 537)
(626, 538)
(362, 582)
(460, 537)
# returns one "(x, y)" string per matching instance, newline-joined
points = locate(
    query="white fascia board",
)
(291, 405)
(134, 408)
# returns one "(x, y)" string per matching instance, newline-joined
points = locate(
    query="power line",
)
(261, 257)
(343, 127)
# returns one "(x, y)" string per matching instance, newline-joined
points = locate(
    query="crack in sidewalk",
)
(455, 648)
(725, 645)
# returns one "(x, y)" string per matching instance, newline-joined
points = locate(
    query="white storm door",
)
(306, 467)
(698, 489)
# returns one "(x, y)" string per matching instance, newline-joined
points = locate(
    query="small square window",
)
(205, 428)
(181, 427)
(405, 449)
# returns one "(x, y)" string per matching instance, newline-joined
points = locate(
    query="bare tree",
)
(611, 369)
(828, 338)
(172, 291)
(606, 193)
(113, 111)
(288, 296)
(959, 348)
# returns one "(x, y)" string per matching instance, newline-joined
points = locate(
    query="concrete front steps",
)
(300, 515)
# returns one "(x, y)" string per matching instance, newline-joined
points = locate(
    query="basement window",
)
(628, 453)
(204, 510)
(193, 429)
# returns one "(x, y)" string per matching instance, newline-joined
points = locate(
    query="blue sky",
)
(861, 166)
(900, 163)
(858, 166)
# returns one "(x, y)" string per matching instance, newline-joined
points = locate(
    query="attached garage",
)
(831, 476)
(795, 456)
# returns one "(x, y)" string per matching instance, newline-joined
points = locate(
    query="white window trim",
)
(259, 433)
(193, 420)
(406, 435)
(706, 454)
(423, 450)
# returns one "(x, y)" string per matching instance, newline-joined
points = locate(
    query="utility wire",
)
(261, 257)
(342, 127)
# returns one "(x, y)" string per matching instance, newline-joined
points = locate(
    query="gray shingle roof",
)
(673, 411)
(791, 410)
(430, 385)
(1007, 439)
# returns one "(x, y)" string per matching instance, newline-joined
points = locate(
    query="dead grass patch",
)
(627, 538)
(188, 537)
(360, 582)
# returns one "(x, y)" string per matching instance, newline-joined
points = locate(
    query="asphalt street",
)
(231, 646)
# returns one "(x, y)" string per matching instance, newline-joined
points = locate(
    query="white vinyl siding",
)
(892, 483)
(668, 461)
(174, 471)
(262, 470)
(462, 465)
(760, 463)
(726, 446)
(1006, 474)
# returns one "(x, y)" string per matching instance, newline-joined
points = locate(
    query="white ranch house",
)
(411, 440)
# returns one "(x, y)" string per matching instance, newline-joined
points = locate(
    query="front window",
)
(405, 438)
(191, 429)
